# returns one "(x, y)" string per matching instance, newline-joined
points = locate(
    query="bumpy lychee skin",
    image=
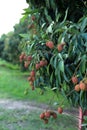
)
(54, 115)
(29, 78)
(43, 63)
(22, 56)
(50, 44)
(26, 64)
(74, 80)
(77, 88)
(60, 110)
(42, 115)
(60, 46)
(47, 114)
(82, 86)
(29, 58)
(32, 73)
(37, 66)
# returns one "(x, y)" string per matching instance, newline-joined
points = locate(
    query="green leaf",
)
(48, 69)
(53, 4)
(48, 3)
(29, 11)
(51, 78)
(70, 49)
(83, 24)
(55, 62)
(47, 16)
(65, 77)
(83, 63)
(85, 118)
(84, 35)
(24, 35)
(49, 29)
(61, 65)
(64, 85)
(65, 16)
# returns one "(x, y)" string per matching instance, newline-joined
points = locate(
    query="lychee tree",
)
(57, 45)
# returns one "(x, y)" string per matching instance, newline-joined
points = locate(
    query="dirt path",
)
(16, 104)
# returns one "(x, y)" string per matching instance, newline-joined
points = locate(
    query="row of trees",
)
(10, 43)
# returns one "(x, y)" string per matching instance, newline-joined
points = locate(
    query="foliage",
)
(77, 8)
(2, 44)
(9, 43)
(60, 39)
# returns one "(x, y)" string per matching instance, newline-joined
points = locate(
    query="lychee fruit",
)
(50, 44)
(37, 66)
(82, 86)
(42, 115)
(77, 88)
(32, 73)
(60, 47)
(74, 79)
(47, 114)
(60, 110)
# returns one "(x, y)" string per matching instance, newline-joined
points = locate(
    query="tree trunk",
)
(81, 115)
(80, 118)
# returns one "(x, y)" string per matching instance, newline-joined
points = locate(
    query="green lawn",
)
(29, 120)
(13, 84)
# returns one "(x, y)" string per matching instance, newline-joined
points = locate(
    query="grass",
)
(13, 84)
(29, 120)
(8, 65)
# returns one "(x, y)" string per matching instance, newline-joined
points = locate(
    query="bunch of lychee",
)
(60, 46)
(31, 79)
(40, 64)
(45, 116)
(82, 85)
(22, 56)
(26, 59)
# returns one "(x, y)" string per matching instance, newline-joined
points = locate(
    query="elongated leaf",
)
(65, 16)
(83, 64)
(29, 11)
(55, 62)
(24, 35)
(61, 66)
(51, 77)
(84, 24)
(53, 5)
(49, 29)
(47, 16)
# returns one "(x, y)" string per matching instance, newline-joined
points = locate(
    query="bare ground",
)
(16, 104)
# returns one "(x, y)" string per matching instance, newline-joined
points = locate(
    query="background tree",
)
(9, 43)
